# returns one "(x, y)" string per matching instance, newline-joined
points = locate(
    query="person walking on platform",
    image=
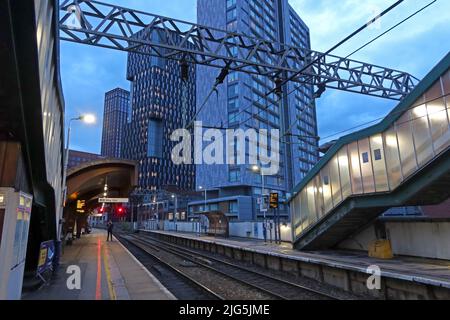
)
(110, 226)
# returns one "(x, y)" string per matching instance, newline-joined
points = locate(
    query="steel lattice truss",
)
(105, 25)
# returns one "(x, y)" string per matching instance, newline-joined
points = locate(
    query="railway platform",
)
(400, 278)
(108, 272)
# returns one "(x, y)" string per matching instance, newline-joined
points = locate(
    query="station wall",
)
(424, 238)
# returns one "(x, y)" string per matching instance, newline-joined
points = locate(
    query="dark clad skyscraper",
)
(158, 108)
(117, 103)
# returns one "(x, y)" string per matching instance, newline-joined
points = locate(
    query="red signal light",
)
(102, 210)
(120, 210)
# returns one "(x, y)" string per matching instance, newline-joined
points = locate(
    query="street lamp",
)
(204, 207)
(156, 214)
(175, 211)
(256, 168)
(88, 119)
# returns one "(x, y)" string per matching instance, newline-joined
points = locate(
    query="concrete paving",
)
(108, 272)
(428, 271)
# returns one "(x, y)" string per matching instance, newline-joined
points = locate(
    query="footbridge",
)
(403, 160)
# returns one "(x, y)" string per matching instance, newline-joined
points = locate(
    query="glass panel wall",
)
(379, 163)
(311, 193)
(446, 86)
(446, 83)
(344, 172)
(335, 181)
(438, 117)
(295, 209)
(319, 197)
(365, 159)
(392, 158)
(326, 188)
(421, 132)
(357, 186)
(304, 208)
(406, 145)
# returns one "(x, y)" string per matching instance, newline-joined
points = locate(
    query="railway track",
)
(219, 283)
(272, 286)
(181, 285)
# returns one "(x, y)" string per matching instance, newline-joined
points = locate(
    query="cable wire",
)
(309, 64)
(359, 49)
(365, 124)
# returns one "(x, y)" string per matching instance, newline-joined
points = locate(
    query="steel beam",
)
(104, 25)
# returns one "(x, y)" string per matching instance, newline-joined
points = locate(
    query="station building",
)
(31, 138)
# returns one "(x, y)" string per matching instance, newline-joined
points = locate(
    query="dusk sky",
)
(414, 47)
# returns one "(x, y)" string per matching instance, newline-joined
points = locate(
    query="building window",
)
(233, 104)
(232, 91)
(377, 154)
(365, 157)
(233, 207)
(233, 76)
(234, 175)
(231, 3)
(232, 14)
(155, 138)
(233, 117)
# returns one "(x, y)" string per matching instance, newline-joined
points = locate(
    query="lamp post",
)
(175, 211)
(204, 208)
(156, 214)
(88, 119)
(256, 168)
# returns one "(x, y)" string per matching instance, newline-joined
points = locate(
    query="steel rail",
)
(184, 251)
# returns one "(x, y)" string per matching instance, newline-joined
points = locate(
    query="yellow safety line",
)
(112, 293)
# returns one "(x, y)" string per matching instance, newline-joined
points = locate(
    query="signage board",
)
(81, 205)
(113, 200)
(46, 255)
(274, 200)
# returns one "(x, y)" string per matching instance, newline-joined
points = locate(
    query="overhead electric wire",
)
(307, 66)
(365, 45)
(299, 86)
(219, 80)
(360, 48)
(365, 124)
(392, 28)
(397, 3)
(370, 42)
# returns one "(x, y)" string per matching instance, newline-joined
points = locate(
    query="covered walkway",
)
(402, 161)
